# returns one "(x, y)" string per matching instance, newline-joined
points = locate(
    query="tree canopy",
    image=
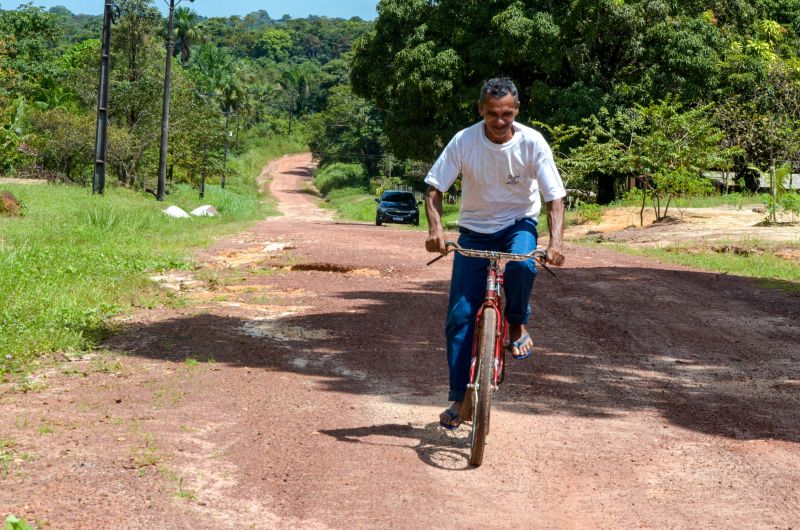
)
(424, 61)
(252, 74)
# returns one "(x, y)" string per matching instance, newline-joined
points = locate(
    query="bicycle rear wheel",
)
(482, 390)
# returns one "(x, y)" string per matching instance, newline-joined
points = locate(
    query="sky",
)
(214, 8)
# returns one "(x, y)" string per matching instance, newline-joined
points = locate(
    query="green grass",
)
(8, 454)
(750, 258)
(75, 259)
(340, 176)
(15, 523)
(185, 494)
(738, 200)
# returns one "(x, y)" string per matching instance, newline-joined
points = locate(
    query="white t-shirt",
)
(501, 182)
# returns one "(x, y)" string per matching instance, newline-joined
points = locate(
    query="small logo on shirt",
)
(513, 179)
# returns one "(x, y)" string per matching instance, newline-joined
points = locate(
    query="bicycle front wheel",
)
(482, 389)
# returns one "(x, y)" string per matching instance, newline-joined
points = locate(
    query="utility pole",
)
(206, 96)
(774, 185)
(162, 160)
(225, 156)
(203, 171)
(291, 112)
(101, 141)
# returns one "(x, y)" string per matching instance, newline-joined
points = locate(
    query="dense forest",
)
(635, 95)
(638, 97)
(251, 76)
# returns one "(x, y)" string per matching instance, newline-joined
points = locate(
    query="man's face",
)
(499, 115)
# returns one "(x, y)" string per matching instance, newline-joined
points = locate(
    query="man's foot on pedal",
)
(521, 343)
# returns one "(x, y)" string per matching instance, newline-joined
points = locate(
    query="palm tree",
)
(211, 63)
(231, 95)
(295, 85)
(188, 31)
(230, 91)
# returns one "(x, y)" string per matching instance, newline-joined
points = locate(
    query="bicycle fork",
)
(493, 299)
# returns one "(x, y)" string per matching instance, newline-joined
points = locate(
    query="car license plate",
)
(397, 218)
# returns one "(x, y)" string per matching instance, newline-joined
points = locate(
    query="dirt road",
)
(298, 383)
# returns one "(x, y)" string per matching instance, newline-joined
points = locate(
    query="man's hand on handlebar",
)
(436, 242)
(433, 210)
(555, 224)
(554, 255)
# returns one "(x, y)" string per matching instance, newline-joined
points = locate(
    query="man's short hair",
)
(498, 87)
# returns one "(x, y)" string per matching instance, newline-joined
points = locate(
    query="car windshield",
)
(401, 197)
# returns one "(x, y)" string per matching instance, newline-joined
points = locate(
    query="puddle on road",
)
(332, 267)
(272, 328)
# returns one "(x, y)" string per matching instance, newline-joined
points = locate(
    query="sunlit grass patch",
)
(773, 265)
(74, 259)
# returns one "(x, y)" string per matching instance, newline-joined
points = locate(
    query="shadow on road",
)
(448, 450)
(708, 352)
(304, 172)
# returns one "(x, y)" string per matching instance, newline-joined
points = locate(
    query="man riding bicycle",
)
(504, 167)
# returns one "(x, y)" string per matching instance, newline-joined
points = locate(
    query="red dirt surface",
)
(660, 397)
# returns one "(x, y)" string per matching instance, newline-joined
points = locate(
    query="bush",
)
(589, 213)
(791, 203)
(13, 152)
(632, 197)
(63, 145)
(339, 175)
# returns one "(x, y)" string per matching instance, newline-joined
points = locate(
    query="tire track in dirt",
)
(298, 386)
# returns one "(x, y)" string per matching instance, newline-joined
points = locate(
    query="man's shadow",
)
(436, 446)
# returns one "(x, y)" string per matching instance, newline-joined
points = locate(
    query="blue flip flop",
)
(518, 343)
(452, 416)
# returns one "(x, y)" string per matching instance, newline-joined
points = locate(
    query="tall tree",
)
(295, 86)
(133, 39)
(662, 146)
(188, 31)
(424, 61)
(349, 130)
(29, 35)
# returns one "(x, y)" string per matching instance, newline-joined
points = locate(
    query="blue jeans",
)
(468, 286)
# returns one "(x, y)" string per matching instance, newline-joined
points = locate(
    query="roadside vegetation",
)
(773, 265)
(233, 79)
(242, 90)
(73, 259)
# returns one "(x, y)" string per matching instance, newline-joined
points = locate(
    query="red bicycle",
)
(487, 368)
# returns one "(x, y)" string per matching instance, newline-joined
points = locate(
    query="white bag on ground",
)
(175, 212)
(205, 211)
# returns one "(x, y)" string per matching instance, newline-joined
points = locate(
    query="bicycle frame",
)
(493, 298)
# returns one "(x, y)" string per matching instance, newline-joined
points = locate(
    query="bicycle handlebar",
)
(540, 256)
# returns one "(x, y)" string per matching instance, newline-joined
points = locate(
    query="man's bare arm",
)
(433, 209)
(555, 222)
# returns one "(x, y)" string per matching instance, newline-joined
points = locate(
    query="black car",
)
(397, 207)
